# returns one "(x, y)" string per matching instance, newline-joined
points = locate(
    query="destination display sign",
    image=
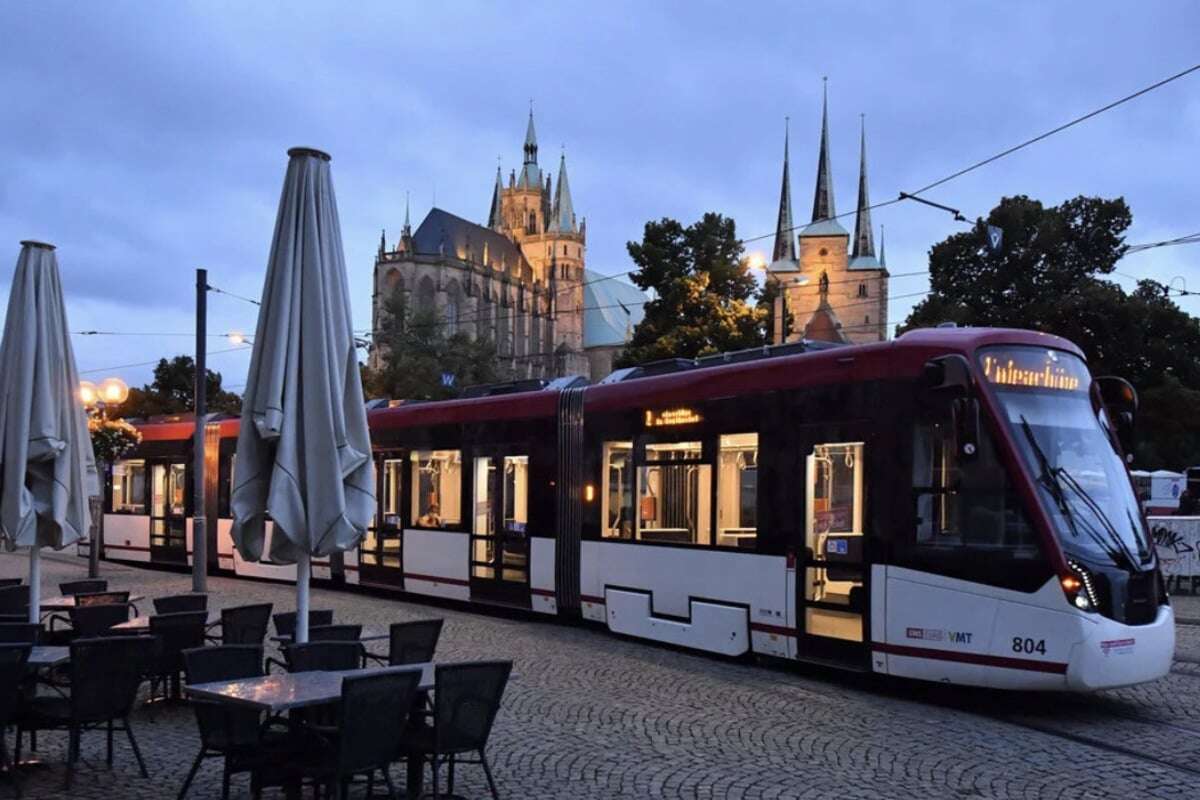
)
(1034, 368)
(669, 417)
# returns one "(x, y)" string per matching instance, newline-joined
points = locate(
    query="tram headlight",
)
(1080, 587)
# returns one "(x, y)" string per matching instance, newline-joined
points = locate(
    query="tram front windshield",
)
(1067, 447)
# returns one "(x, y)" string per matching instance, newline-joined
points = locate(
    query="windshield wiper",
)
(1095, 508)
(1050, 479)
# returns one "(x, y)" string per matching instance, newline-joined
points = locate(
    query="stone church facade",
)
(831, 288)
(520, 280)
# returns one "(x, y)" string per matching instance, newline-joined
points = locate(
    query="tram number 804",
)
(1020, 645)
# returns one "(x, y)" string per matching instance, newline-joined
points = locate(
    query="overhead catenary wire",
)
(155, 361)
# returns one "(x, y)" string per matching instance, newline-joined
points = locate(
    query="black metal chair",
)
(335, 633)
(367, 736)
(321, 656)
(173, 633)
(465, 703)
(83, 599)
(89, 586)
(285, 621)
(90, 621)
(179, 603)
(6, 582)
(20, 632)
(13, 659)
(411, 642)
(245, 624)
(105, 674)
(15, 600)
(14, 617)
(227, 732)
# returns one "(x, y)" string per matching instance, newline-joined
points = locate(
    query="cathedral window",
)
(867, 319)
(564, 249)
(532, 223)
(824, 251)
(862, 290)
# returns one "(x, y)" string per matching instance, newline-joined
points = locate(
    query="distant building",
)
(834, 290)
(520, 280)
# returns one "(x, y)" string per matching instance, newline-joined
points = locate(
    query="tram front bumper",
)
(1114, 654)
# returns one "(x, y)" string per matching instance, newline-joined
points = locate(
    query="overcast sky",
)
(148, 139)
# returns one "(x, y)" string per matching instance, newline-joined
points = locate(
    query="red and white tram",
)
(950, 506)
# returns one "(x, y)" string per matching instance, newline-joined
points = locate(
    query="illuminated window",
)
(617, 490)
(674, 488)
(391, 492)
(436, 488)
(129, 487)
(834, 540)
(737, 490)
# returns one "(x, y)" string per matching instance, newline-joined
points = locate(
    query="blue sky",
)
(148, 139)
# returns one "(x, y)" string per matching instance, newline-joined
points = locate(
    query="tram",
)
(953, 506)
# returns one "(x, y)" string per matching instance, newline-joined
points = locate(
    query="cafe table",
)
(66, 603)
(41, 657)
(141, 623)
(289, 691)
(367, 636)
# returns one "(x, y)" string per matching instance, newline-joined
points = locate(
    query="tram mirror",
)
(1120, 399)
(966, 426)
(947, 374)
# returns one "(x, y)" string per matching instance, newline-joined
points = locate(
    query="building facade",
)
(520, 280)
(831, 289)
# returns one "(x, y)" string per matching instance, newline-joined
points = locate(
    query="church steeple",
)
(785, 237)
(882, 254)
(495, 219)
(562, 218)
(823, 196)
(406, 231)
(531, 176)
(864, 237)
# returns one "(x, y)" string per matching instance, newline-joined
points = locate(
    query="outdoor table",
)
(365, 637)
(275, 694)
(52, 604)
(141, 623)
(40, 657)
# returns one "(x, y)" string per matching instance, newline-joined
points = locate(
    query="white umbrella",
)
(304, 453)
(47, 467)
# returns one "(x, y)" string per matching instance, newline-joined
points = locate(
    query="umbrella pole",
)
(35, 583)
(303, 573)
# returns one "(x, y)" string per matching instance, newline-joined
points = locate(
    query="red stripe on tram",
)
(1055, 667)
(542, 592)
(435, 579)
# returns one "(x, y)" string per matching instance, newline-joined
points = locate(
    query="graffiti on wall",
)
(1177, 541)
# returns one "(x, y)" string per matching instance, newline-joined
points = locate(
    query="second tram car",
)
(950, 506)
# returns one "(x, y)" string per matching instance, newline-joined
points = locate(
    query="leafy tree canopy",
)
(1048, 276)
(172, 392)
(417, 352)
(704, 294)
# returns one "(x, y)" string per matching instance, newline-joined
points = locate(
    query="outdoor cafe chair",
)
(5, 582)
(173, 633)
(245, 624)
(89, 621)
(411, 642)
(335, 633)
(179, 603)
(367, 735)
(20, 632)
(105, 674)
(13, 658)
(320, 656)
(89, 586)
(103, 598)
(15, 600)
(228, 732)
(466, 700)
(285, 621)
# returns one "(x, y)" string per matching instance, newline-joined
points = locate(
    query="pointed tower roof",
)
(531, 176)
(863, 254)
(406, 231)
(494, 214)
(882, 254)
(824, 213)
(562, 217)
(785, 237)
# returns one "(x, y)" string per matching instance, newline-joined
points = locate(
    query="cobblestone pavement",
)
(591, 715)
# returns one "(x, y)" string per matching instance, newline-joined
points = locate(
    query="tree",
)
(417, 353)
(702, 292)
(172, 392)
(1047, 276)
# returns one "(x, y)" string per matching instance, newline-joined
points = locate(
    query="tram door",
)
(168, 513)
(499, 535)
(832, 574)
(381, 555)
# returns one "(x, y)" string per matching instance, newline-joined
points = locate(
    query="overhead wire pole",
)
(199, 517)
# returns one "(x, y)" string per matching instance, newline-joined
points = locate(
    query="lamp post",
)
(98, 398)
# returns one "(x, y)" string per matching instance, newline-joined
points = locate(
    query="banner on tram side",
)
(1177, 540)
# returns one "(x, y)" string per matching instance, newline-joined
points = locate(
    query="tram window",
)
(516, 493)
(965, 503)
(391, 492)
(484, 542)
(129, 487)
(674, 494)
(436, 488)
(618, 490)
(737, 490)
(834, 540)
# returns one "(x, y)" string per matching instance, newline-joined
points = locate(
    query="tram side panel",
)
(436, 563)
(127, 537)
(541, 575)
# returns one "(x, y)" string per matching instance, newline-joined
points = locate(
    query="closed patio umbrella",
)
(303, 454)
(47, 467)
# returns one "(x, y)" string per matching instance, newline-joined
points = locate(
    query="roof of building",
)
(612, 308)
(784, 265)
(824, 227)
(562, 217)
(785, 235)
(864, 262)
(443, 233)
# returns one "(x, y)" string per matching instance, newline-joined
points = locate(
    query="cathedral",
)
(520, 280)
(834, 289)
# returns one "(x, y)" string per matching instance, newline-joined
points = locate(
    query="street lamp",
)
(110, 392)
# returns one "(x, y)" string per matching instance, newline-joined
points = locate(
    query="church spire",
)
(864, 237)
(882, 254)
(531, 176)
(494, 221)
(406, 231)
(563, 214)
(823, 197)
(785, 237)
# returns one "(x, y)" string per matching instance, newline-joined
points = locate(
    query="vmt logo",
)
(939, 635)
